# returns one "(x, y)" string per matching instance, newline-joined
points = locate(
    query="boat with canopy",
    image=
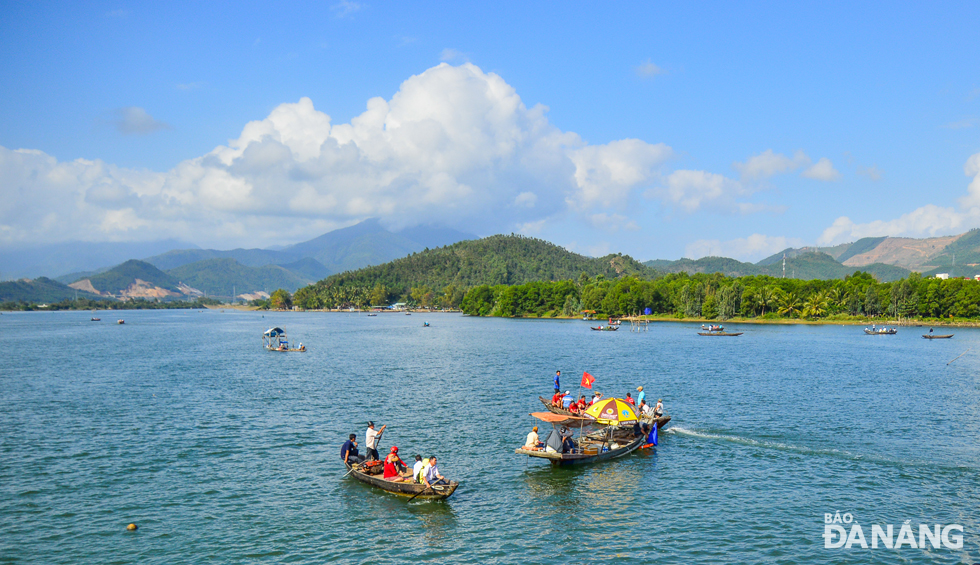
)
(661, 421)
(275, 339)
(623, 434)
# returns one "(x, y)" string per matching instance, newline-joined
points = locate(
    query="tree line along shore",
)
(857, 298)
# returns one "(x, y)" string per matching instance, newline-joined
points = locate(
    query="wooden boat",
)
(372, 475)
(606, 328)
(882, 331)
(722, 334)
(600, 445)
(937, 336)
(661, 421)
(274, 339)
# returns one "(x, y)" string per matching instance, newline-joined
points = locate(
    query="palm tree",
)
(815, 306)
(766, 298)
(790, 305)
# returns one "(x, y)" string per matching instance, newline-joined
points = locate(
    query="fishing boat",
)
(722, 334)
(606, 328)
(712, 328)
(661, 421)
(371, 473)
(881, 331)
(120, 321)
(96, 319)
(274, 339)
(937, 336)
(622, 435)
(371, 315)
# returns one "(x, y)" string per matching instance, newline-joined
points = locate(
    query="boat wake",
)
(819, 452)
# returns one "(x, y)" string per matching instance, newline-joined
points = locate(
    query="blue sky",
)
(655, 130)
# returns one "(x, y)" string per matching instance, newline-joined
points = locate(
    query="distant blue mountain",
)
(62, 258)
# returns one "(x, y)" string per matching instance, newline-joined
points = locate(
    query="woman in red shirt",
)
(391, 466)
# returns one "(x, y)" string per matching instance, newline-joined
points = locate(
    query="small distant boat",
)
(712, 328)
(370, 315)
(274, 339)
(425, 324)
(370, 473)
(722, 334)
(606, 328)
(881, 331)
(408, 313)
(96, 319)
(937, 336)
(120, 321)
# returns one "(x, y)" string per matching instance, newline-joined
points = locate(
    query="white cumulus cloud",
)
(454, 145)
(693, 190)
(926, 221)
(769, 163)
(822, 170)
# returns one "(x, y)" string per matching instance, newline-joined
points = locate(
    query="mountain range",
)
(396, 259)
(887, 258)
(189, 271)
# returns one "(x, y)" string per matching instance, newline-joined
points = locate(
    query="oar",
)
(420, 492)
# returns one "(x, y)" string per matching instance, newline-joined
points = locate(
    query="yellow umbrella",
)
(612, 411)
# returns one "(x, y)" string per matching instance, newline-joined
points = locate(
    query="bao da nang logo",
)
(841, 531)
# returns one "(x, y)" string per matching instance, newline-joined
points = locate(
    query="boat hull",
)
(721, 334)
(927, 336)
(406, 489)
(887, 332)
(566, 459)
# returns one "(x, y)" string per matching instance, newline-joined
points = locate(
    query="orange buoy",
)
(132, 527)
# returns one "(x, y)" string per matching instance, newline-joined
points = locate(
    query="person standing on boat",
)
(557, 382)
(431, 474)
(348, 453)
(371, 441)
(640, 398)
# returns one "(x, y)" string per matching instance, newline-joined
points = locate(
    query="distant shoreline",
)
(732, 321)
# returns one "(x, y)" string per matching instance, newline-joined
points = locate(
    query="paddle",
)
(419, 492)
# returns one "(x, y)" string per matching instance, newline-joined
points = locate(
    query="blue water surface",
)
(223, 452)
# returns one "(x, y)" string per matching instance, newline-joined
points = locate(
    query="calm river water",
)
(222, 452)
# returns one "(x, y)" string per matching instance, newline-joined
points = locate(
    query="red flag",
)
(587, 380)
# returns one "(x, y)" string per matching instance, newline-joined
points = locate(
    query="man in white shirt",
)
(417, 468)
(431, 475)
(645, 409)
(658, 411)
(371, 441)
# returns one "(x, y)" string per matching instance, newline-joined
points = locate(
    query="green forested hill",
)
(120, 277)
(807, 266)
(219, 276)
(730, 267)
(40, 290)
(500, 259)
